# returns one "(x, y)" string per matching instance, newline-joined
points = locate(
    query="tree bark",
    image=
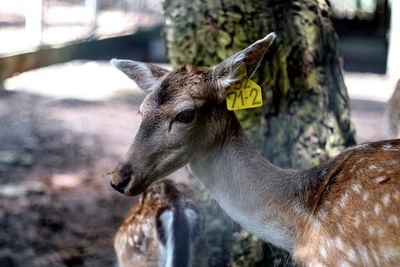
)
(305, 118)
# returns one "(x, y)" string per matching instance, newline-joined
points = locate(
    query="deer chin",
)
(141, 180)
(137, 185)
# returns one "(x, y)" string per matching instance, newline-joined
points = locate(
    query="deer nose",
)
(122, 177)
(120, 186)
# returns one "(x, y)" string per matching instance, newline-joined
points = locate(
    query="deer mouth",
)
(129, 182)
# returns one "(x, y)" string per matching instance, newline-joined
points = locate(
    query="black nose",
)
(120, 186)
(124, 173)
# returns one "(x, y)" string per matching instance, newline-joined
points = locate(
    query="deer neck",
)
(263, 198)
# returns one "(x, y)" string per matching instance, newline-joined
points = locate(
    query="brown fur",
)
(137, 240)
(355, 214)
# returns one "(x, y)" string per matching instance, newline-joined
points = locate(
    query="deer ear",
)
(242, 64)
(145, 75)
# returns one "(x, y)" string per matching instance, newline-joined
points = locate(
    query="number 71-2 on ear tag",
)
(244, 94)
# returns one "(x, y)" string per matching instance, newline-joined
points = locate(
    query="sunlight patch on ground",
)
(87, 80)
(369, 86)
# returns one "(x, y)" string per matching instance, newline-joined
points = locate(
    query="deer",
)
(392, 114)
(165, 228)
(343, 212)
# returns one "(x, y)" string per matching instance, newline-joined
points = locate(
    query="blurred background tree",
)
(305, 119)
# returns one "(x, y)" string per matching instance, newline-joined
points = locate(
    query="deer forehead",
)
(178, 83)
(176, 92)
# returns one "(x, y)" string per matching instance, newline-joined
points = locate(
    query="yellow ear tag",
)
(244, 94)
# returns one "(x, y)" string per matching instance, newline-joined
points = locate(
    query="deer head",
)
(183, 114)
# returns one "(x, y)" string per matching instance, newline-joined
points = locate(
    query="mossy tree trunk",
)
(305, 118)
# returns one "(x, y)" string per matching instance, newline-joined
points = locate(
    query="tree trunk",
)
(305, 118)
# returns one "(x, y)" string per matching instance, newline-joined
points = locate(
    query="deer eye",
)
(185, 116)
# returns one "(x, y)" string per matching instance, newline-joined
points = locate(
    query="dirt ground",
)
(56, 205)
(68, 216)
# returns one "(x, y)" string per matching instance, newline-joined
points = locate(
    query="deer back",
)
(355, 213)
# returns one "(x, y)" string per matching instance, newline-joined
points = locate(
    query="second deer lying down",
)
(165, 229)
(342, 213)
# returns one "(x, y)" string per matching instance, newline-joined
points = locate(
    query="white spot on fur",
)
(343, 200)
(380, 179)
(339, 243)
(143, 247)
(393, 220)
(336, 210)
(341, 228)
(396, 195)
(386, 200)
(352, 255)
(377, 209)
(363, 252)
(135, 238)
(376, 257)
(323, 253)
(146, 228)
(365, 196)
(357, 220)
(315, 264)
(371, 230)
(328, 243)
(130, 241)
(122, 240)
(344, 264)
(357, 188)
(372, 167)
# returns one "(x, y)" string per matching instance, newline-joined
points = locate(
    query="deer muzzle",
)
(128, 180)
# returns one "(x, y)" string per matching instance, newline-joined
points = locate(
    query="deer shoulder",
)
(354, 217)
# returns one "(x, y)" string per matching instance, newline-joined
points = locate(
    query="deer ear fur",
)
(242, 64)
(145, 75)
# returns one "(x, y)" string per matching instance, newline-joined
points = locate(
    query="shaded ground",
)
(56, 206)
